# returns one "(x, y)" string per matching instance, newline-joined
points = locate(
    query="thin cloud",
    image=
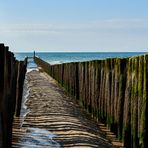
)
(84, 26)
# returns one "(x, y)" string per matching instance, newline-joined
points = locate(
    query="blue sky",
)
(74, 25)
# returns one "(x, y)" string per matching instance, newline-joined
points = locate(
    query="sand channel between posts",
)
(51, 118)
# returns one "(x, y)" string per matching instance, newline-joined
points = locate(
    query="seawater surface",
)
(65, 57)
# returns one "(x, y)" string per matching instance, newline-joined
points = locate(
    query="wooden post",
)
(34, 54)
(112, 90)
(8, 75)
(1, 91)
(19, 88)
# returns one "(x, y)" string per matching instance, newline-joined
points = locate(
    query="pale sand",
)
(56, 120)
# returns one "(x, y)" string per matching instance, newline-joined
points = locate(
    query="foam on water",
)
(26, 90)
(31, 69)
(54, 62)
(31, 65)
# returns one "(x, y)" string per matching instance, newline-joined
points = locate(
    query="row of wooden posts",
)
(12, 75)
(114, 91)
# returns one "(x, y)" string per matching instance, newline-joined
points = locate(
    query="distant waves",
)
(64, 57)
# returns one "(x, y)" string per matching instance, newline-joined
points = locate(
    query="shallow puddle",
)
(37, 137)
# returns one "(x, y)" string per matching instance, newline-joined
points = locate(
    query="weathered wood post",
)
(112, 90)
(8, 77)
(19, 88)
(34, 54)
(1, 91)
(6, 98)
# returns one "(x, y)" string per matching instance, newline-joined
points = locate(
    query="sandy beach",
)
(53, 119)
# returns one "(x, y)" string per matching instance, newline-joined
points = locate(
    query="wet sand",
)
(51, 118)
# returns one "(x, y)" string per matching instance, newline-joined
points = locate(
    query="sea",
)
(66, 57)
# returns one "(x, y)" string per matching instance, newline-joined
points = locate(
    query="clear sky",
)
(74, 25)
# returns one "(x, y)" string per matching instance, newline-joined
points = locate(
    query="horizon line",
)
(79, 51)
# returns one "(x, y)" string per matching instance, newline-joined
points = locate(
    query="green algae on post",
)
(113, 91)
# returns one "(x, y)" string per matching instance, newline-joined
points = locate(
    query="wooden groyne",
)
(12, 74)
(114, 91)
